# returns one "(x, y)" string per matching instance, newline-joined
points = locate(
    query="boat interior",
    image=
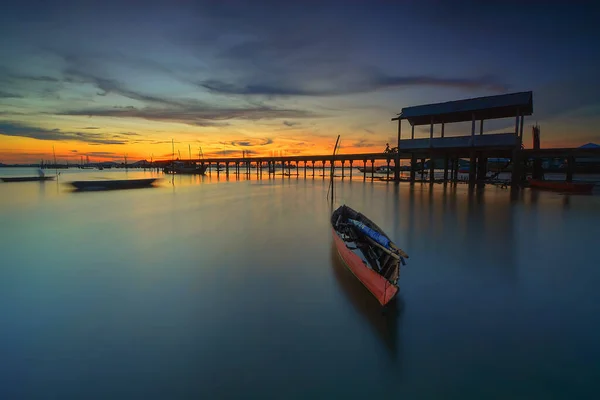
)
(385, 263)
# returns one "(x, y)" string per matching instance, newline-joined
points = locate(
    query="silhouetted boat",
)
(561, 186)
(366, 250)
(190, 168)
(368, 169)
(28, 178)
(113, 184)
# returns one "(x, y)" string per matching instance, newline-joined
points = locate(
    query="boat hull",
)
(368, 169)
(560, 186)
(380, 288)
(28, 179)
(113, 184)
(199, 170)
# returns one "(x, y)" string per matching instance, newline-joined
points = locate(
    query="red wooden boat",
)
(367, 252)
(561, 186)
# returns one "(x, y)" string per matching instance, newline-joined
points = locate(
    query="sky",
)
(113, 79)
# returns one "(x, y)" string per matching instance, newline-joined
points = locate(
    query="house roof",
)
(489, 107)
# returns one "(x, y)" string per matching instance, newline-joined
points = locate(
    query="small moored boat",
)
(189, 168)
(113, 184)
(27, 178)
(369, 170)
(367, 252)
(561, 186)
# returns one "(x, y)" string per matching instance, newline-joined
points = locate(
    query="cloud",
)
(34, 78)
(32, 85)
(162, 108)
(8, 128)
(368, 131)
(12, 113)
(228, 152)
(291, 123)
(192, 114)
(8, 95)
(160, 142)
(364, 84)
(91, 127)
(103, 153)
(249, 142)
(567, 96)
(8, 76)
(364, 143)
(73, 74)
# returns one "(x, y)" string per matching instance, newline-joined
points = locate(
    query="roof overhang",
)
(489, 107)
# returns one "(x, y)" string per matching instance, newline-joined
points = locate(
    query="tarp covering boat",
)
(378, 237)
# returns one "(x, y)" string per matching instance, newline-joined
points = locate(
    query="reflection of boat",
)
(28, 178)
(113, 184)
(180, 167)
(385, 323)
(366, 250)
(561, 186)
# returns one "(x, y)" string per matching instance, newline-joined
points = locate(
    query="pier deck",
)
(476, 147)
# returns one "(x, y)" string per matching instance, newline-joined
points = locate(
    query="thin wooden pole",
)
(332, 168)
(397, 169)
(55, 166)
(430, 132)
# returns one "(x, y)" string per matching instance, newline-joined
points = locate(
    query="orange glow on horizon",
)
(21, 150)
(18, 150)
(28, 151)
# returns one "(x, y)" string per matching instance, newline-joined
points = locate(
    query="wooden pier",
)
(475, 147)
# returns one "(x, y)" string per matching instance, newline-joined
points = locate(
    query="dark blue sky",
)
(277, 75)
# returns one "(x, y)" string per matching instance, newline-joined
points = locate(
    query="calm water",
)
(231, 289)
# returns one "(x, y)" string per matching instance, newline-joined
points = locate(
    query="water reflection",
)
(384, 321)
(42, 190)
(465, 225)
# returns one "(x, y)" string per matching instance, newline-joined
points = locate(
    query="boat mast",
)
(332, 169)
(173, 161)
(55, 167)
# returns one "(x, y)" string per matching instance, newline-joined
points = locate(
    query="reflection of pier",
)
(470, 229)
(383, 320)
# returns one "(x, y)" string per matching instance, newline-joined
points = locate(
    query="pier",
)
(475, 146)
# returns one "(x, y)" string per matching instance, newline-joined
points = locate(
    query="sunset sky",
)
(115, 78)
